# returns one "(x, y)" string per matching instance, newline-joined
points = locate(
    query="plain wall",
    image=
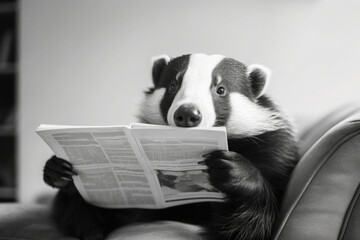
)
(87, 62)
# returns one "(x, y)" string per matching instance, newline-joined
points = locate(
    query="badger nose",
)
(187, 115)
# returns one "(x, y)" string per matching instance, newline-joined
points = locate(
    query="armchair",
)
(321, 202)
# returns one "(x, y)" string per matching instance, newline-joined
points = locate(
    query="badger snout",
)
(187, 115)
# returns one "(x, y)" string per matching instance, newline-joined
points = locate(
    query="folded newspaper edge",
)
(138, 166)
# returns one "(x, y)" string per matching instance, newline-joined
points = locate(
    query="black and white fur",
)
(203, 90)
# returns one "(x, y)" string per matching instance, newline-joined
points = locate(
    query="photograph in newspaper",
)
(175, 182)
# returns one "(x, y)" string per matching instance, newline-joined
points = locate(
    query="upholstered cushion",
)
(322, 199)
(32, 222)
(166, 230)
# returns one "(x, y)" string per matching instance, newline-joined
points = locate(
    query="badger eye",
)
(221, 91)
(172, 87)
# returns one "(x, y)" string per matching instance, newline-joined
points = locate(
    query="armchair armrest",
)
(324, 124)
(322, 198)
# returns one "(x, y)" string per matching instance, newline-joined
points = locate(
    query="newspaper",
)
(138, 166)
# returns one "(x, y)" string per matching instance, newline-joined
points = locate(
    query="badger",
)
(198, 90)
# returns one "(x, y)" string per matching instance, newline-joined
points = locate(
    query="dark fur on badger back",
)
(252, 174)
(274, 152)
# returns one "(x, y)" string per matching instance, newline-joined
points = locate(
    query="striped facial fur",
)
(199, 90)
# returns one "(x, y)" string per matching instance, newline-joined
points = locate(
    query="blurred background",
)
(87, 62)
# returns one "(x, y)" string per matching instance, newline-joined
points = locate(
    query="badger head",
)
(199, 90)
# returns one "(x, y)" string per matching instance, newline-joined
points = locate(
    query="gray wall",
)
(87, 62)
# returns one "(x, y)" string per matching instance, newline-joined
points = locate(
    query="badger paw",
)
(58, 172)
(230, 172)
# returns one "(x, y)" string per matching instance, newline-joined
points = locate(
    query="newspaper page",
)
(143, 167)
(110, 170)
(173, 154)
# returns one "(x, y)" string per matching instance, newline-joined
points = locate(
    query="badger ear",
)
(259, 77)
(159, 64)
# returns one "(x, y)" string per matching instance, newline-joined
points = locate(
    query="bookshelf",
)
(8, 86)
